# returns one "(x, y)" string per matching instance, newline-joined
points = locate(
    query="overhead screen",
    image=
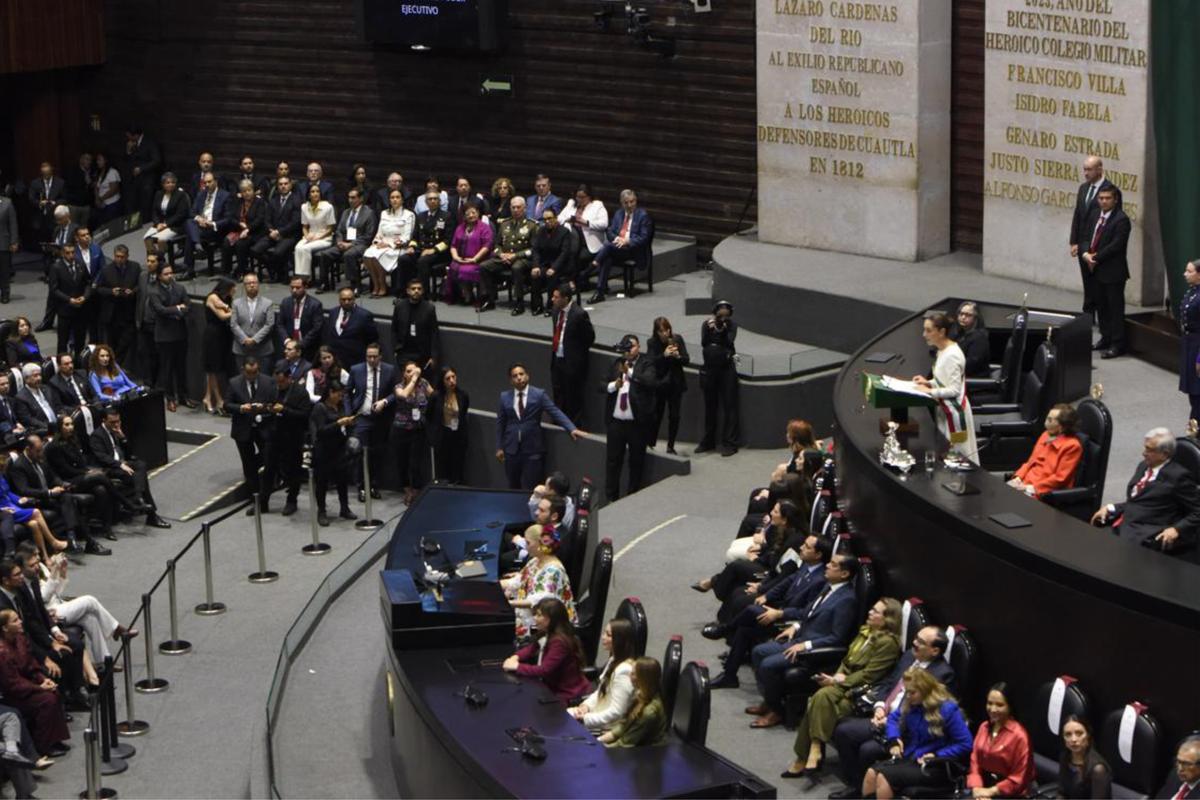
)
(439, 24)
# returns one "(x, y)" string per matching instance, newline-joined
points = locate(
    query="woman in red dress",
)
(27, 688)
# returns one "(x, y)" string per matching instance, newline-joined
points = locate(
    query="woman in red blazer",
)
(556, 658)
(1055, 457)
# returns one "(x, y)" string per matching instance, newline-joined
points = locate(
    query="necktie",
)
(1096, 235)
(537, 209)
(1141, 484)
(625, 226)
(894, 696)
(558, 328)
(341, 326)
(41, 475)
(353, 218)
(116, 448)
(1182, 793)
(821, 599)
(521, 404)
(1091, 195)
(296, 316)
(623, 398)
(250, 389)
(374, 383)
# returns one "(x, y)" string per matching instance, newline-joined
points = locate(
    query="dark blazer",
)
(244, 424)
(8, 416)
(262, 183)
(17, 352)
(170, 324)
(1112, 266)
(114, 277)
(256, 217)
(350, 346)
(178, 208)
(552, 249)
(1081, 233)
(432, 230)
(24, 478)
(434, 426)
(221, 205)
(326, 190)
(356, 389)
(1172, 499)
(30, 413)
(67, 459)
(37, 190)
(365, 225)
(329, 438)
(1172, 787)
(455, 203)
(64, 234)
(643, 384)
(832, 623)
(291, 424)
(640, 231)
(524, 436)
(284, 215)
(68, 281)
(939, 668)
(102, 449)
(298, 371)
(145, 156)
(380, 202)
(795, 593)
(552, 203)
(415, 331)
(578, 337)
(312, 321)
(64, 398)
(669, 370)
(97, 257)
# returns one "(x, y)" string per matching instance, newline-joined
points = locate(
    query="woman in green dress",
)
(646, 722)
(871, 655)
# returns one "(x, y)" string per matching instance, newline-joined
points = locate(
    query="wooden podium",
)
(879, 395)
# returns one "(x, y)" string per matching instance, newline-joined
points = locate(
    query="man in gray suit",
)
(355, 232)
(252, 323)
(10, 242)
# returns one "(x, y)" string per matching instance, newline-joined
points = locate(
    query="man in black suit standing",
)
(415, 328)
(301, 318)
(111, 451)
(283, 458)
(1162, 506)
(629, 412)
(71, 288)
(283, 228)
(62, 237)
(349, 328)
(45, 194)
(1105, 257)
(144, 160)
(117, 291)
(250, 402)
(1087, 202)
(572, 338)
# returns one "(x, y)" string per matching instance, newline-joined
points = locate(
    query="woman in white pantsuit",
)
(99, 626)
(948, 388)
(317, 221)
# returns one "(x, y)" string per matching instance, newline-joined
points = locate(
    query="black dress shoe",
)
(728, 451)
(671, 451)
(44, 325)
(849, 793)
(157, 522)
(518, 311)
(787, 773)
(724, 681)
(322, 519)
(704, 448)
(112, 537)
(94, 548)
(1112, 352)
(78, 701)
(346, 513)
(58, 750)
(74, 548)
(375, 495)
(1100, 345)
(4, 297)
(488, 305)
(362, 496)
(548, 313)
(714, 631)
(598, 297)
(289, 508)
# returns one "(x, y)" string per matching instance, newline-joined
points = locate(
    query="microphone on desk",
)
(475, 697)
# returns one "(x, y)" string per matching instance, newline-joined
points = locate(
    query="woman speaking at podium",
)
(949, 388)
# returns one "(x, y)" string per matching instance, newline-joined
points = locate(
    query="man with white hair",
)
(1162, 506)
(628, 237)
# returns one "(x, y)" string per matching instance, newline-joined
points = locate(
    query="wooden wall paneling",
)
(41, 35)
(966, 115)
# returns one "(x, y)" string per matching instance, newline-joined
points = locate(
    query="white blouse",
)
(395, 225)
(320, 222)
(608, 710)
(596, 217)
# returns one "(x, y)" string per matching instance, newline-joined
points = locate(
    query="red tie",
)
(296, 318)
(558, 327)
(1182, 793)
(625, 227)
(1141, 484)
(1096, 235)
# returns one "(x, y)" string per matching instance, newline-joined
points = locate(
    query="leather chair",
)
(1131, 741)
(583, 500)
(1187, 453)
(589, 612)
(1054, 702)
(631, 609)
(1095, 435)
(6, 329)
(913, 617)
(825, 500)
(963, 655)
(1005, 384)
(689, 718)
(576, 546)
(629, 266)
(1011, 440)
(672, 663)
(843, 544)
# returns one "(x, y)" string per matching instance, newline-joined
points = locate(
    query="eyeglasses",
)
(1179, 762)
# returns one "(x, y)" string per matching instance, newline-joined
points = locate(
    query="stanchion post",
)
(263, 575)
(94, 790)
(149, 684)
(368, 522)
(110, 763)
(132, 726)
(317, 548)
(209, 607)
(173, 646)
(108, 691)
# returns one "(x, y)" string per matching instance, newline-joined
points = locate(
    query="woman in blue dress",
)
(1189, 322)
(11, 505)
(108, 380)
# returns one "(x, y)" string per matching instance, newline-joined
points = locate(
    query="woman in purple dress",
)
(471, 244)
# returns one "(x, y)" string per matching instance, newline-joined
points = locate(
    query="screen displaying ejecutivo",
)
(452, 24)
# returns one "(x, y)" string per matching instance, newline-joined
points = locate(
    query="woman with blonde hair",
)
(542, 576)
(928, 724)
(502, 195)
(646, 722)
(871, 656)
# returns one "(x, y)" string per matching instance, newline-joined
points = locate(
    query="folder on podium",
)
(898, 395)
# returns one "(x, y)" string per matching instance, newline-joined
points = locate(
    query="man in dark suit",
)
(1086, 202)
(209, 221)
(110, 449)
(430, 245)
(415, 329)
(117, 293)
(368, 394)
(89, 256)
(856, 737)
(463, 197)
(261, 183)
(572, 338)
(787, 601)
(354, 233)
(283, 459)
(31, 476)
(629, 413)
(146, 365)
(61, 238)
(10, 425)
(71, 288)
(45, 194)
(301, 318)
(628, 237)
(549, 266)
(1185, 783)
(204, 166)
(542, 200)
(143, 162)
(10, 243)
(71, 391)
(283, 228)
(34, 403)
(293, 361)
(380, 201)
(1162, 506)
(316, 174)
(349, 328)
(829, 621)
(519, 443)
(1109, 230)
(250, 403)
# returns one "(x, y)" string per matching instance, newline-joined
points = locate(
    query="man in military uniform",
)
(430, 246)
(513, 250)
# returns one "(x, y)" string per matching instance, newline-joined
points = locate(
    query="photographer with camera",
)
(629, 411)
(719, 380)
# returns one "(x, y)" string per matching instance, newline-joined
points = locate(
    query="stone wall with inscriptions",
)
(854, 125)
(1065, 79)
